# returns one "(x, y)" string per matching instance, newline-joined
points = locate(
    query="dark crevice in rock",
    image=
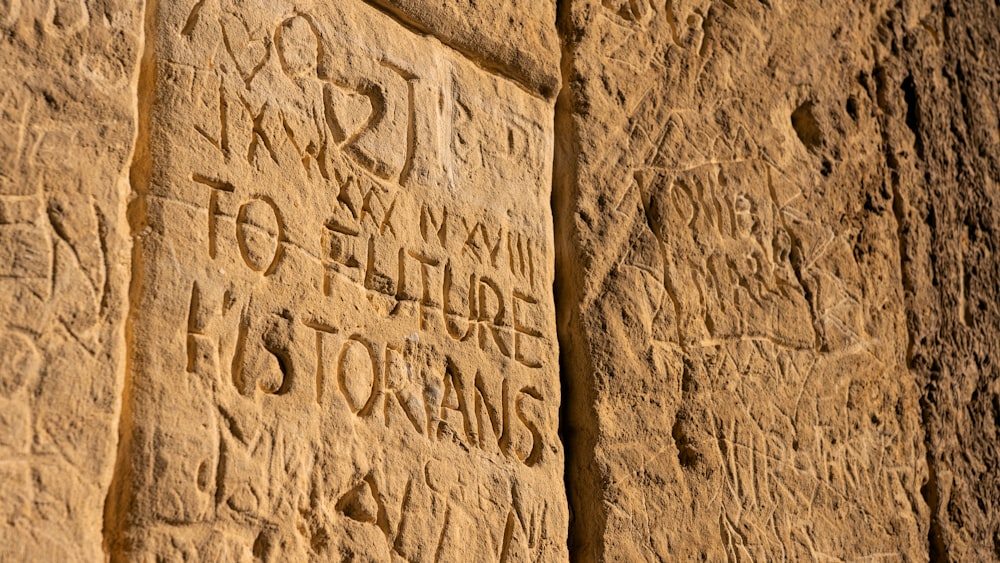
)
(140, 173)
(806, 127)
(913, 113)
(937, 551)
(577, 417)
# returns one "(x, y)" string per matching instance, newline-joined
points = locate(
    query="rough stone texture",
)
(516, 37)
(342, 327)
(410, 280)
(944, 109)
(67, 123)
(746, 278)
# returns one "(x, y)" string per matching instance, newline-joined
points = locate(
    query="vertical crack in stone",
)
(908, 245)
(578, 418)
(140, 169)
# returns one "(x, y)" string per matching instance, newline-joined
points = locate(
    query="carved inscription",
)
(746, 286)
(742, 300)
(67, 129)
(57, 17)
(355, 287)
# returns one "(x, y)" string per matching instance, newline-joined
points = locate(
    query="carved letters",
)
(352, 286)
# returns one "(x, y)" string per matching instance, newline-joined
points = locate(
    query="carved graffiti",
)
(350, 286)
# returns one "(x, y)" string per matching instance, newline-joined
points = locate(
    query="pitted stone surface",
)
(733, 315)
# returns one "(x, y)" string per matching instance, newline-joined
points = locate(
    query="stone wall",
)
(402, 280)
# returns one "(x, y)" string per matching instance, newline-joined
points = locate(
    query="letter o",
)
(358, 373)
(258, 232)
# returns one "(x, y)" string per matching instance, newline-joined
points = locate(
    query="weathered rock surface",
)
(406, 280)
(945, 139)
(735, 331)
(774, 256)
(342, 327)
(67, 122)
(515, 37)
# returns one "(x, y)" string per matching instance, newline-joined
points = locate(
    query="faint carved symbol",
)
(19, 362)
(360, 502)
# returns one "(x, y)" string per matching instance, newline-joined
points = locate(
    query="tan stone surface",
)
(66, 131)
(944, 141)
(342, 331)
(516, 37)
(732, 306)
(414, 280)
